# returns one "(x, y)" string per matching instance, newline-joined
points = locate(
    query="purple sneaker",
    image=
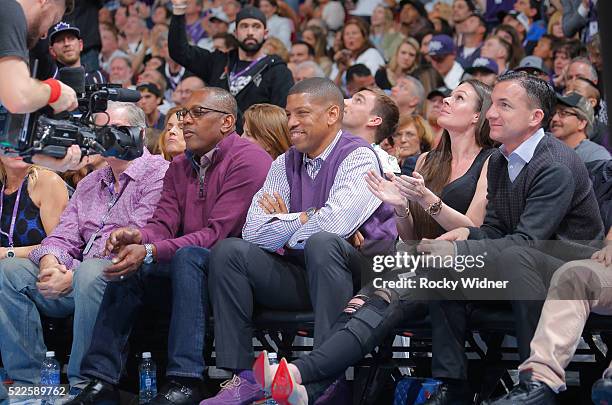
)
(237, 391)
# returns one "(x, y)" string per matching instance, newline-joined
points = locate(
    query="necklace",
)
(11, 231)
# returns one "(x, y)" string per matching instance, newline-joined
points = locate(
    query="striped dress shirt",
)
(349, 205)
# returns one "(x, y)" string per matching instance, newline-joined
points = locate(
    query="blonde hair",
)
(554, 19)
(417, 59)
(161, 141)
(32, 173)
(275, 46)
(268, 125)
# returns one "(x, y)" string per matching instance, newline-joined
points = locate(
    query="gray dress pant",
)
(244, 276)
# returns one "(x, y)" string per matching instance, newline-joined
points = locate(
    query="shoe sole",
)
(261, 368)
(283, 384)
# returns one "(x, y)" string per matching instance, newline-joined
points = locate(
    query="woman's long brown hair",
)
(436, 168)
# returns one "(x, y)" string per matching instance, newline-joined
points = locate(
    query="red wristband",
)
(56, 90)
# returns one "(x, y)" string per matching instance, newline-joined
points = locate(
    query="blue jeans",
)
(188, 273)
(21, 337)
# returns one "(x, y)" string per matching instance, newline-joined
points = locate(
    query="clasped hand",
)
(54, 281)
(125, 243)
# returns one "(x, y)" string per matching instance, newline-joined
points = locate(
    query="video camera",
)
(42, 132)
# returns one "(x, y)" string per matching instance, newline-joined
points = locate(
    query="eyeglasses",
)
(565, 113)
(404, 135)
(197, 112)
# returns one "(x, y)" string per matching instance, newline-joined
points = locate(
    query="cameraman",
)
(22, 24)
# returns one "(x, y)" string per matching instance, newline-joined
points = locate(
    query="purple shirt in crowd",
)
(199, 211)
(89, 204)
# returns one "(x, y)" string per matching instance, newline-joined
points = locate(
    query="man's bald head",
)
(193, 83)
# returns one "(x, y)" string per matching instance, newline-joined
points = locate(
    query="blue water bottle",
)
(148, 379)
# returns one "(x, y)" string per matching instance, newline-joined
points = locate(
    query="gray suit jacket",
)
(572, 21)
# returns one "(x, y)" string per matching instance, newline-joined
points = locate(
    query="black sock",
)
(455, 384)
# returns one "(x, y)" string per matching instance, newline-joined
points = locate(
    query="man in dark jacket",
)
(248, 73)
(540, 204)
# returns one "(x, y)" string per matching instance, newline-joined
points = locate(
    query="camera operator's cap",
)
(63, 27)
(529, 63)
(580, 104)
(441, 45)
(251, 12)
(218, 14)
(520, 17)
(150, 87)
(440, 91)
(482, 64)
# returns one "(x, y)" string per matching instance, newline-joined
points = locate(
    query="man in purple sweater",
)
(205, 198)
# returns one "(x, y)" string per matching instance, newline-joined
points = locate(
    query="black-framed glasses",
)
(196, 112)
(564, 113)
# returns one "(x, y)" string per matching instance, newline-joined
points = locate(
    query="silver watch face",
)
(149, 256)
(10, 253)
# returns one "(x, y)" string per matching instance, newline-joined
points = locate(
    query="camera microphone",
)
(75, 78)
(125, 95)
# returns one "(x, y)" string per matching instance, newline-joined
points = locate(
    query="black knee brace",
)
(364, 322)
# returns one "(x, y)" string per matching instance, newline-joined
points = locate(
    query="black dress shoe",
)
(602, 391)
(528, 392)
(177, 394)
(445, 395)
(97, 392)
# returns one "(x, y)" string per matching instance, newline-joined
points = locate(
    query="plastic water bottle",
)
(50, 370)
(49, 374)
(273, 359)
(148, 378)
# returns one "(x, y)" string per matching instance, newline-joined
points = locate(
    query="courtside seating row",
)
(277, 330)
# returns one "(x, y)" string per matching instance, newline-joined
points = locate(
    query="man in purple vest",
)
(314, 198)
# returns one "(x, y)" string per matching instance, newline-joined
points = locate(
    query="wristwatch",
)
(434, 208)
(149, 256)
(10, 253)
(310, 212)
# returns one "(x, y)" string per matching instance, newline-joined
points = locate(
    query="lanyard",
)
(9, 235)
(115, 197)
(233, 76)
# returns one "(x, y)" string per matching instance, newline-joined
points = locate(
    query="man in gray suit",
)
(579, 15)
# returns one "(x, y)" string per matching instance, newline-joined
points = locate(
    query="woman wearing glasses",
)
(413, 137)
(448, 191)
